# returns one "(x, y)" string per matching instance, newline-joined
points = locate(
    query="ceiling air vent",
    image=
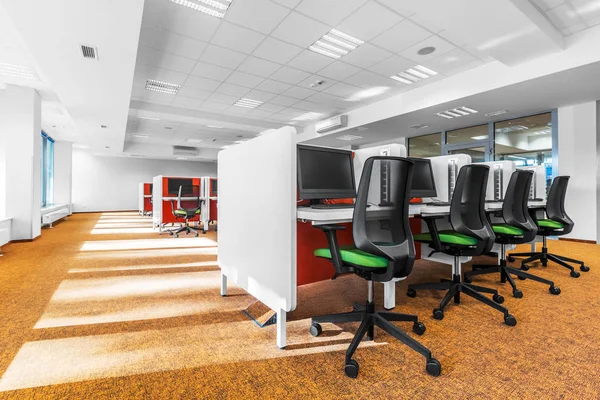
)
(89, 52)
(185, 151)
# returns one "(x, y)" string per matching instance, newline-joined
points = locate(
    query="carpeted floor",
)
(102, 307)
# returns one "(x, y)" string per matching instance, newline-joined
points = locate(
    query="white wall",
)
(598, 172)
(577, 158)
(63, 172)
(111, 183)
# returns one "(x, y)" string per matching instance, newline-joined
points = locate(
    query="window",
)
(47, 165)
(425, 146)
(526, 141)
(465, 135)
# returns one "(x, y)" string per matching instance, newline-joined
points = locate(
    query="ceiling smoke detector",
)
(426, 50)
(317, 84)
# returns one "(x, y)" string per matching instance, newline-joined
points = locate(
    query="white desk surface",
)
(147, 195)
(183, 198)
(493, 206)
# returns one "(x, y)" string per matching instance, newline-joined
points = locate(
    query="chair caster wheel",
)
(510, 259)
(315, 329)
(176, 235)
(419, 328)
(411, 293)
(498, 298)
(584, 268)
(204, 232)
(575, 274)
(433, 368)
(521, 278)
(468, 279)
(196, 235)
(524, 267)
(510, 320)
(351, 369)
(554, 290)
(171, 233)
(438, 314)
(518, 294)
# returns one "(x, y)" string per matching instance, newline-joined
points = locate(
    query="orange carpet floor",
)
(101, 307)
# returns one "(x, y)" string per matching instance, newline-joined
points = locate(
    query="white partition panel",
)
(445, 172)
(498, 178)
(361, 155)
(141, 198)
(157, 193)
(257, 217)
(538, 183)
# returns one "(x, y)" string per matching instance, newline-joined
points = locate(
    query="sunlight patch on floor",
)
(122, 231)
(144, 267)
(138, 244)
(128, 254)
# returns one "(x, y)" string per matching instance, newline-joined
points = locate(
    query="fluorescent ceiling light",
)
(248, 103)
(469, 110)
(214, 8)
(162, 87)
(444, 115)
(18, 71)
(181, 158)
(150, 118)
(194, 140)
(453, 113)
(141, 135)
(214, 126)
(415, 74)
(349, 138)
(308, 116)
(335, 44)
(481, 137)
(365, 94)
(456, 112)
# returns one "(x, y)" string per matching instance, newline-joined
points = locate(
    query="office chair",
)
(557, 223)
(516, 227)
(186, 213)
(471, 235)
(383, 250)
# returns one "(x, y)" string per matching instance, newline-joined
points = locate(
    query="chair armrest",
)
(334, 248)
(435, 236)
(332, 227)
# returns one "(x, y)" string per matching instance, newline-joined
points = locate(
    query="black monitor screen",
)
(213, 186)
(423, 184)
(174, 184)
(325, 173)
(150, 189)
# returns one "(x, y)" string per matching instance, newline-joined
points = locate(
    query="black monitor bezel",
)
(176, 193)
(314, 194)
(414, 193)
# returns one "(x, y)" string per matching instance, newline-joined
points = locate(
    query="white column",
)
(281, 329)
(20, 143)
(223, 285)
(63, 173)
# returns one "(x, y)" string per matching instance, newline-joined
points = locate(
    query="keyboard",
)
(330, 206)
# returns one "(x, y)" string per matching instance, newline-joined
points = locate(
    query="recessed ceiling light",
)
(308, 116)
(162, 87)
(457, 112)
(103, 126)
(141, 135)
(349, 138)
(150, 118)
(168, 128)
(335, 44)
(367, 93)
(18, 71)
(248, 103)
(480, 137)
(194, 140)
(426, 50)
(214, 8)
(419, 126)
(415, 74)
(107, 147)
(181, 158)
(214, 126)
(493, 114)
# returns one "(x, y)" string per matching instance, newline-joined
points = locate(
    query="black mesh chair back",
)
(555, 206)
(467, 208)
(188, 199)
(380, 224)
(515, 211)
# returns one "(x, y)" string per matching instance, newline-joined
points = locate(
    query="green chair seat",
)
(354, 256)
(448, 237)
(183, 212)
(549, 223)
(504, 229)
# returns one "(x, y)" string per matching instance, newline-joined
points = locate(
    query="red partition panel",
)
(213, 210)
(167, 210)
(147, 192)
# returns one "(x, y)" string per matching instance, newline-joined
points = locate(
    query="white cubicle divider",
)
(259, 253)
(157, 194)
(141, 198)
(538, 183)
(498, 178)
(361, 155)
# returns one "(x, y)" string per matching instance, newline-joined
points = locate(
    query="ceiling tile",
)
(291, 112)
(588, 10)
(545, 5)
(341, 89)
(184, 21)
(288, 3)
(256, 113)
(310, 61)
(201, 83)
(172, 43)
(164, 60)
(157, 98)
(238, 110)
(327, 99)
(280, 117)
(284, 100)
(258, 66)
(272, 108)
(404, 8)
(392, 65)
(290, 75)
(144, 72)
(244, 79)
(366, 55)
(441, 47)
(369, 21)
(214, 106)
(259, 95)
(330, 12)
(401, 36)
(300, 30)
(187, 102)
(232, 90)
(259, 15)
(222, 98)
(563, 16)
(311, 80)
(298, 92)
(210, 71)
(367, 79)
(452, 62)
(339, 71)
(223, 57)
(194, 93)
(307, 106)
(237, 38)
(277, 51)
(272, 86)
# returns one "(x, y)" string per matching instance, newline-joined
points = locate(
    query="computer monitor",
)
(423, 184)
(213, 187)
(175, 183)
(325, 173)
(151, 185)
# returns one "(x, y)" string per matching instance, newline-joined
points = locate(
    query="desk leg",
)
(389, 295)
(223, 285)
(281, 339)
